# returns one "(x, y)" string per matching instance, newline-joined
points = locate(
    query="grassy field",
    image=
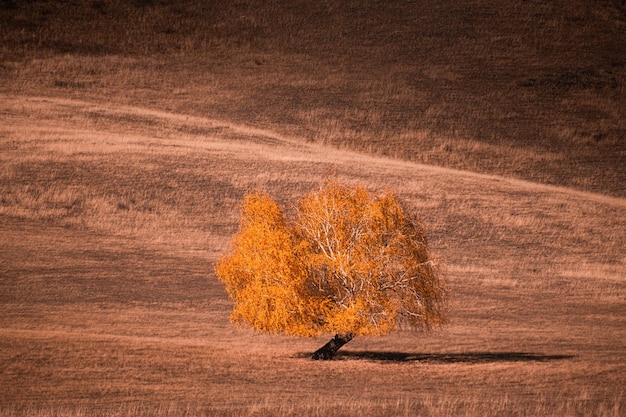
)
(130, 131)
(529, 89)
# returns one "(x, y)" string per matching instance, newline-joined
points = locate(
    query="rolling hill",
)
(130, 132)
(530, 89)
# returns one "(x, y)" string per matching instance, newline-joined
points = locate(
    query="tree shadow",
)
(449, 358)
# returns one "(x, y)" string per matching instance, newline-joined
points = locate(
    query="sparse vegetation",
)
(131, 131)
(526, 90)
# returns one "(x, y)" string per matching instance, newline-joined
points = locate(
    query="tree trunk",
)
(327, 351)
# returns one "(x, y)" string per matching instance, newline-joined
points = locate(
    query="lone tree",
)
(345, 262)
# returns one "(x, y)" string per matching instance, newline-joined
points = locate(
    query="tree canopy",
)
(344, 261)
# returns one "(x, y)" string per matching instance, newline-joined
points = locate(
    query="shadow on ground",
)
(443, 358)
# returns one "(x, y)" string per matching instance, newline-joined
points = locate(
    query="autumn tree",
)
(345, 262)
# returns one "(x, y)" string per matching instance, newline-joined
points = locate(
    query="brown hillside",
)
(131, 130)
(525, 89)
(111, 218)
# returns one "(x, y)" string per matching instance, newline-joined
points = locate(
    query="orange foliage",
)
(347, 262)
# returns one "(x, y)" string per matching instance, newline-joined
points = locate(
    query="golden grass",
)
(401, 408)
(128, 142)
(523, 90)
(110, 306)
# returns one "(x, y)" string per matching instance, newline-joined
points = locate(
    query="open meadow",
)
(130, 132)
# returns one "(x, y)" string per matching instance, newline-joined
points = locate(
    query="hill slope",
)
(130, 131)
(112, 216)
(525, 89)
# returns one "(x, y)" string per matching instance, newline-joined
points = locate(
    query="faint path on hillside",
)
(121, 110)
(315, 152)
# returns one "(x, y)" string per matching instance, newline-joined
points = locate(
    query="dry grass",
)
(110, 306)
(527, 90)
(125, 150)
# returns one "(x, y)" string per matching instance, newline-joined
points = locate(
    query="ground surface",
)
(123, 163)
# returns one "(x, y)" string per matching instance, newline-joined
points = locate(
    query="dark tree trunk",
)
(327, 351)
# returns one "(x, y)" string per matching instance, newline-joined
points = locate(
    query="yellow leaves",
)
(259, 272)
(347, 262)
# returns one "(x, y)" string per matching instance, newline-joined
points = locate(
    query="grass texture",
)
(130, 131)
